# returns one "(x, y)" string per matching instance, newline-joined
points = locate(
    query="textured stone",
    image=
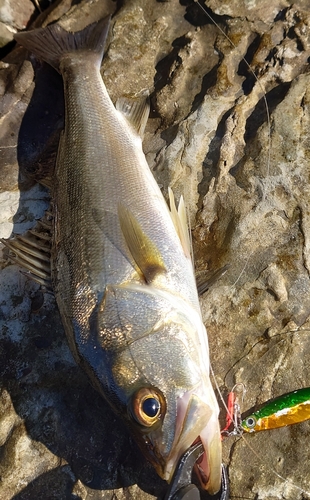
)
(14, 15)
(6, 34)
(246, 183)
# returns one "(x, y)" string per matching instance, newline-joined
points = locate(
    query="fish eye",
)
(147, 406)
(151, 407)
(250, 422)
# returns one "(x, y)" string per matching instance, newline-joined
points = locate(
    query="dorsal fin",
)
(135, 110)
(180, 223)
(143, 250)
(32, 251)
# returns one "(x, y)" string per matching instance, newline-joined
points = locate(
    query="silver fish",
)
(121, 267)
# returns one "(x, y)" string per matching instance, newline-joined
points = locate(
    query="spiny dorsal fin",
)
(135, 110)
(143, 250)
(32, 251)
(34, 262)
(179, 220)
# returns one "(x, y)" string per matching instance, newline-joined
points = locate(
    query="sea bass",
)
(121, 268)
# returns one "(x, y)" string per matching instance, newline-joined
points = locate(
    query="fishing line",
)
(256, 79)
(272, 339)
(268, 163)
(242, 270)
(285, 480)
(219, 391)
(267, 116)
(269, 148)
(237, 432)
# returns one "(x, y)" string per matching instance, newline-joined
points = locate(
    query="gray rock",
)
(246, 183)
(14, 15)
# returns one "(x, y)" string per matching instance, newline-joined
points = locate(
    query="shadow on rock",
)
(44, 486)
(61, 410)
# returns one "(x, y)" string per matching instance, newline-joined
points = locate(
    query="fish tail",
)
(53, 42)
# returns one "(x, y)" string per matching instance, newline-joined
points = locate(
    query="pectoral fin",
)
(143, 250)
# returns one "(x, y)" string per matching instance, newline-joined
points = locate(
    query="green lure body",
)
(288, 409)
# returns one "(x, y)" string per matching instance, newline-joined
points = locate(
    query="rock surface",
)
(246, 183)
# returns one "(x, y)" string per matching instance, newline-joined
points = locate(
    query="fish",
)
(121, 266)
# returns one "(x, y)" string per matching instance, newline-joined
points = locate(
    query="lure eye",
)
(250, 422)
(147, 406)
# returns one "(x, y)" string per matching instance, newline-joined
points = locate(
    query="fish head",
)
(169, 422)
(161, 379)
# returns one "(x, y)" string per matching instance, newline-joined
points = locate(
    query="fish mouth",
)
(201, 467)
(198, 416)
(208, 467)
(196, 422)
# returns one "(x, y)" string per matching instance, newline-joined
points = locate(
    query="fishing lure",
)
(288, 409)
(233, 415)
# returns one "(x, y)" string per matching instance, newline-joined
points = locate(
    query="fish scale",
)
(103, 148)
(121, 267)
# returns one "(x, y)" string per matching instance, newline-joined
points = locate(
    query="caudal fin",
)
(53, 42)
